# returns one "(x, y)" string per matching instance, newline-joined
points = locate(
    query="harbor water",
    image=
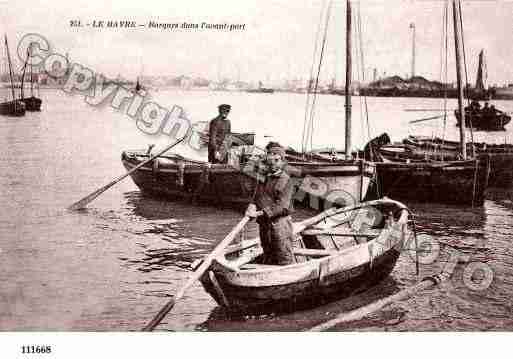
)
(113, 266)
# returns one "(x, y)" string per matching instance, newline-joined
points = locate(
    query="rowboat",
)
(339, 252)
(483, 119)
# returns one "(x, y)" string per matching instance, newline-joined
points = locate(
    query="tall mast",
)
(481, 73)
(348, 79)
(459, 52)
(10, 68)
(22, 95)
(412, 26)
(31, 74)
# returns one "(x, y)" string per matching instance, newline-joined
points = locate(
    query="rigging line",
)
(443, 66)
(446, 66)
(466, 81)
(321, 57)
(359, 67)
(307, 105)
(360, 32)
(360, 80)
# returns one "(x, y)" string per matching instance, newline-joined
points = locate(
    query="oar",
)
(207, 261)
(360, 313)
(85, 201)
(425, 109)
(427, 119)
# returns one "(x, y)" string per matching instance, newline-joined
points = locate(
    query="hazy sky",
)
(277, 42)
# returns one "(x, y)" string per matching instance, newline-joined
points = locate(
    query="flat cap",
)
(224, 107)
(275, 148)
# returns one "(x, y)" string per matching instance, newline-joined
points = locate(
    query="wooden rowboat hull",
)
(306, 294)
(174, 178)
(338, 273)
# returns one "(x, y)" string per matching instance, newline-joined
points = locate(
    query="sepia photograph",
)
(255, 166)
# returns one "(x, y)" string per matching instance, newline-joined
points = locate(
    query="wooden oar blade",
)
(207, 261)
(160, 315)
(87, 199)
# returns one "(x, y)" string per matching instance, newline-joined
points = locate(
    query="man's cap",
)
(275, 148)
(224, 107)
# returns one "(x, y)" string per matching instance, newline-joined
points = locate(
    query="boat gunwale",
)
(237, 275)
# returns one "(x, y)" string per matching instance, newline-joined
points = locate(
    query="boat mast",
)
(10, 69)
(459, 52)
(412, 27)
(23, 77)
(31, 73)
(481, 75)
(348, 79)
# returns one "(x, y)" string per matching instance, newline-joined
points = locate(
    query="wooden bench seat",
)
(313, 252)
(341, 232)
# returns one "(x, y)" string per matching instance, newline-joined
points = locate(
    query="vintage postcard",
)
(255, 166)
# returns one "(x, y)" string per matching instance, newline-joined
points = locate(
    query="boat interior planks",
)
(324, 269)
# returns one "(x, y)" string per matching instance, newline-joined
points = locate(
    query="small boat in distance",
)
(32, 103)
(335, 259)
(261, 89)
(483, 119)
(138, 86)
(14, 107)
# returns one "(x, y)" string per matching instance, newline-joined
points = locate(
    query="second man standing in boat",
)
(272, 208)
(219, 129)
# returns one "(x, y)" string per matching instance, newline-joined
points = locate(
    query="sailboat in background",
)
(321, 181)
(138, 86)
(482, 118)
(481, 92)
(32, 103)
(261, 89)
(14, 107)
(463, 181)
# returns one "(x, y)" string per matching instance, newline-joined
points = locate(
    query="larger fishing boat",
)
(461, 181)
(422, 148)
(318, 182)
(32, 103)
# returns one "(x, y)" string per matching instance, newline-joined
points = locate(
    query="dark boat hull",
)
(500, 156)
(307, 294)
(12, 108)
(316, 183)
(32, 103)
(459, 182)
(484, 121)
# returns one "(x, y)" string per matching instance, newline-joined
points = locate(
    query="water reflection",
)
(220, 319)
